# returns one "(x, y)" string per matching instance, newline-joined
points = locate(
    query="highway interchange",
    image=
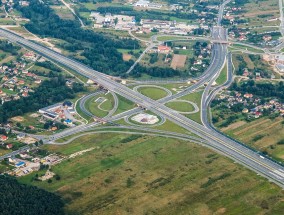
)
(210, 137)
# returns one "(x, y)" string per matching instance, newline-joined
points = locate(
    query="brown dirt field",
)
(126, 57)
(234, 125)
(29, 140)
(178, 61)
(18, 119)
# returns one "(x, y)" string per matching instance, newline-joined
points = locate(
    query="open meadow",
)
(131, 174)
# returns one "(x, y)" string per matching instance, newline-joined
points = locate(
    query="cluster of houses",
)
(167, 27)
(28, 162)
(15, 81)
(61, 112)
(252, 105)
(124, 22)
(4, 143)
(256, 75)
(7, 141)
(32, 159)
(243, 35)
(108, 20)
(276, 60)
(148, 4)
(231, 13)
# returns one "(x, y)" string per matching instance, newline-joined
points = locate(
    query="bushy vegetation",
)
(19, 199)
(8, 47)
(48, 65)
(130, 138)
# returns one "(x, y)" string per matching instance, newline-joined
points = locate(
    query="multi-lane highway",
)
(215, 140)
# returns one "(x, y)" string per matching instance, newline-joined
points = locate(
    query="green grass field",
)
(124, 105)
(196, 98)
(222, 78)
(100, 109)
(170, 126)
(180, 106)
(81, 113)
(243, 47)
(152, 175)
(7, 21)
(152, 92)
(165, 38)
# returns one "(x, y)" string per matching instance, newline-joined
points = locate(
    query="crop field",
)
(259, 12)
(133, 174)
(263, 134)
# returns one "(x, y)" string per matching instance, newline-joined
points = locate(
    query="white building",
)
(142, 3)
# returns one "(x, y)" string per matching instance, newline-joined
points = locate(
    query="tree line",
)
(266, 90)
(21, 199)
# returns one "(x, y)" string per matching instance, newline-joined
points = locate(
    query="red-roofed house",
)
(24, 94)
(3, 137)
(248, 95)
(21, 82)
(164, 49)
(9, 146)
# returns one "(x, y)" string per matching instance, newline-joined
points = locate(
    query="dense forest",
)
(49, 92)
(266, 90)
(20, 199)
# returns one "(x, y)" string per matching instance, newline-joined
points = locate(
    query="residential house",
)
(164, 49)
(9, 146)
